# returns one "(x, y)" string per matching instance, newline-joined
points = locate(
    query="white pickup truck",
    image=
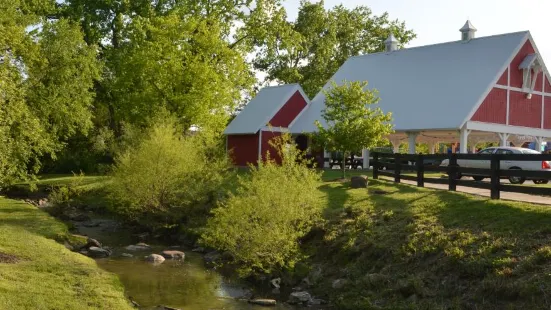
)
(504, 165)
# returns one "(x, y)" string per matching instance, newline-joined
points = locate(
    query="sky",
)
(437, 21)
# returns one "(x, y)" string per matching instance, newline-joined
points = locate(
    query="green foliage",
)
(188, 57)
(46, 76)
(183, 67)
(273, 207)
(166, 176)
(352, 121)
(312, 48)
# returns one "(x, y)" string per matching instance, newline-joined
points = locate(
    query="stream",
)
(183, 285)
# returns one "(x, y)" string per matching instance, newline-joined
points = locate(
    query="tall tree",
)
(211, 49)
(46, 74)
(326, 39)
(352, 120)
(183, 67)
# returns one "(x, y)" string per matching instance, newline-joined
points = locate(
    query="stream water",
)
(184, 284)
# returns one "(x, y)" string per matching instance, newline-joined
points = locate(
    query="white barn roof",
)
(262, 108)
(433, 87)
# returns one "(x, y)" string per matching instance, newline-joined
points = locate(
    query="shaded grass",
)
(47, 275)
(406, 247)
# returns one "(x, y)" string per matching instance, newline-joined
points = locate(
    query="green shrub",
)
(166, 176)
(272, 208)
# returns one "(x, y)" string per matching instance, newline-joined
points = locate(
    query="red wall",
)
(547, 85)
(243, 149)
(516, 74)
(524, 112)
(289, 111)
(539, 82)
(547, 113)
(503, 78)
(494, 108)
(268, 136)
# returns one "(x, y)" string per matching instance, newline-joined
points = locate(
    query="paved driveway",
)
(484, 192)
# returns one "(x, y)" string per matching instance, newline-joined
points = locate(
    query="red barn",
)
(269, 114)
(487, 89)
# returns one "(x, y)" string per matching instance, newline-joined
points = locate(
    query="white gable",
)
(259, 111)
(429, 87)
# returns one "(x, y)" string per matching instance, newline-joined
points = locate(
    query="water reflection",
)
(184, 285)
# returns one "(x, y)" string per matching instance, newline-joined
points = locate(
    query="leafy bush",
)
(272, 208)
(166, 176)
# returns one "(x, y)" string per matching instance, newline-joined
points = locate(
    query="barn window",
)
(531, 67)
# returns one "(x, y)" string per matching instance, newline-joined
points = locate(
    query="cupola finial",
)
(468, 31)
(391, 43)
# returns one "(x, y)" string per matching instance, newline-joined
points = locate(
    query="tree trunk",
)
(344, 165)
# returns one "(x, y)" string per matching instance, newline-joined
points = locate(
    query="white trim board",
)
(308, 103)
(274, 129)
(508, 94)
(539, 93)
(292, 93)
(495, 80)
(515, 130)
(544, 67)
(260, 146)
(542, 100)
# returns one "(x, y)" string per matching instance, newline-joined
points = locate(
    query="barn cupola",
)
(468, 31)
(391, 43)
(531, 67)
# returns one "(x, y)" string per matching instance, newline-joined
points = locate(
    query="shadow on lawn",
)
(436, 244)
(387, 210)
(458, 210)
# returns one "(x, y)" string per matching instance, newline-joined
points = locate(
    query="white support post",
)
(395, 145)
(432, 146)
(464, 140)
(539, 143)
(327, 155)
(412, 137)
(503, 137)
(365, 155)
(473, 148)
(260, 146)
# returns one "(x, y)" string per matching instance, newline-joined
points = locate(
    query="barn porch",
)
(467, 138)
(472, 134)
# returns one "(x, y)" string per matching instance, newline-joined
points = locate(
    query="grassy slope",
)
(426, 249)
(49, 276)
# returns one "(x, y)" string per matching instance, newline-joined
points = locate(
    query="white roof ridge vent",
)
(391, 43)
(468, 31)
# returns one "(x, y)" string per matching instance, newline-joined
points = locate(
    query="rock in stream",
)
(170, 254)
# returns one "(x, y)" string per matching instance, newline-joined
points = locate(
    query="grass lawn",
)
(45, 274)
(405, 247)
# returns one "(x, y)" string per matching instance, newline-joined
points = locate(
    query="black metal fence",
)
(397, 164)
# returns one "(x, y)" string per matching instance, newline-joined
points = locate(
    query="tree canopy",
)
(352, 120)
(324, 40)
(76, 74)
(46, 75)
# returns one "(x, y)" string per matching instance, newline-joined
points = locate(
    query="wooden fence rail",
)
(401, 163)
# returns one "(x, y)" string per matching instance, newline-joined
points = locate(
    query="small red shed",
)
(265, 117)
